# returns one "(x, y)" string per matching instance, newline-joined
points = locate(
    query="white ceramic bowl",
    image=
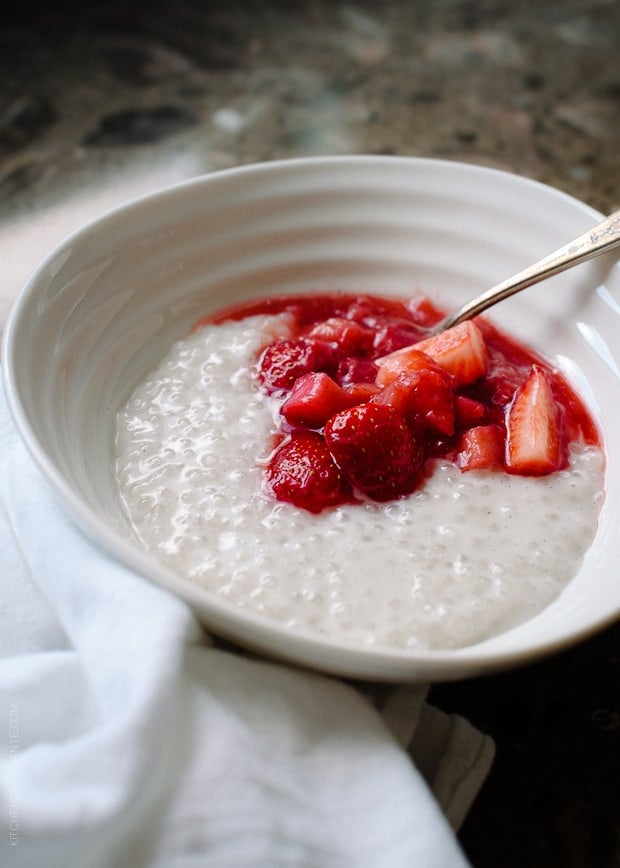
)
(102, 308)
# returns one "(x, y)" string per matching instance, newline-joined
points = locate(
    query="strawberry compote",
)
(322, 461)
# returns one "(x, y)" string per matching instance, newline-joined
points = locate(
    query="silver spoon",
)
(603, 237)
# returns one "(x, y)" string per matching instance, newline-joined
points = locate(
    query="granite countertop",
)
(100, 102)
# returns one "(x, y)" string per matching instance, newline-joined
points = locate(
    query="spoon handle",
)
(599, 239)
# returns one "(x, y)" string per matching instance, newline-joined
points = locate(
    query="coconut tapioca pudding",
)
(319, 460)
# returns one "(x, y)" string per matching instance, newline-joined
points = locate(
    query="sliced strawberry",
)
(404, 361)
(424, 397)
(467, 412)
(481, 448)
(375, 450)
(286, 360)
(461, 351)
(313, 399)
(302, 472)
(350, 337)
(533, 443)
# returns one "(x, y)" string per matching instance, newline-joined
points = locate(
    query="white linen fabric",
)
(132, 741)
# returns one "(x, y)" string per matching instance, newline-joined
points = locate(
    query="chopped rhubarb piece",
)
(533, 443)
(481, 448)
(461, 351)
(405, 360)
(375, 450)
(424, 397)
(313, 399)
(467, 412)
(286, 360)
(302, 472)
(350, 337)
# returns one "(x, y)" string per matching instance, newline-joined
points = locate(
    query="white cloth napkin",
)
(130, 740)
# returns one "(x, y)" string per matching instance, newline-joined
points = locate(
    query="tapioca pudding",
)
(320, 462)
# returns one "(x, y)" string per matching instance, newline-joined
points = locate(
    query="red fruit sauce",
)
(343, 338)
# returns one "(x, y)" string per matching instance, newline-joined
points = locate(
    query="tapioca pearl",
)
(445, 532)
(197, 477)
(307, 595)
(332, 577)
(181, 519)
(226, 590)
(237, 475)
(146, 503)
(150, 482)
(266, 579)
(257, 596)
(190, 499)
(156, 464)
(597, 498)
(174, 544)
(205, 457)
(271, 519)
(242, 576)
(336, 599)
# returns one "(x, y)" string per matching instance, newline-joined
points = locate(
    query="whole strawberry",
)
(302, 472)
(376, 450)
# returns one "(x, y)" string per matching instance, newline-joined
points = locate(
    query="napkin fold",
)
(131, 740)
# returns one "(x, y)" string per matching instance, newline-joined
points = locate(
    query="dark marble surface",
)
(103, 101)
